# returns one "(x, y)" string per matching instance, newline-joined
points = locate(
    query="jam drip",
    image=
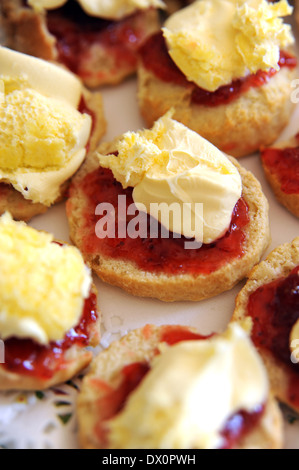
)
(155, 58)
(274, 308)
(284, 164)
(240, 425)
(25, 356)
(155, 254)
(113, 401)
(76, 32)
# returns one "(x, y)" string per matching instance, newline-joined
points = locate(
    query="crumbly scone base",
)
(140, 346)
(239, 128)
(24, 209)
(278, 264)
(290, 201)
(26, 31)
(166, 287)
(76, 359)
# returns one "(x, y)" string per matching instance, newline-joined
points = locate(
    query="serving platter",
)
(47, 419)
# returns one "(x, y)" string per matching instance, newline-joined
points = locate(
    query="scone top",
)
(170, 164)
(108, 9)
(214, 42)
(43, 134)
(190, 392)
(43, 284)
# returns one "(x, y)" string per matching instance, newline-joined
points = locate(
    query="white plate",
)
(48, 419)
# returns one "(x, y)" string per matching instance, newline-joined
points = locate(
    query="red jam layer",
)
(284, 164)
(274, 308)
(76, 33)
(237, 427)
(157, 254)
(24, 356)
(155, 58)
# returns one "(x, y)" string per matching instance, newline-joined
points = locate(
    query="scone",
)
(209, 63)
(49, 122)
(97, 41)
(175, 5)
(296, 12)
(163, 213)
(168, 387)
(269, 301)
(281, 166)
(48, 313)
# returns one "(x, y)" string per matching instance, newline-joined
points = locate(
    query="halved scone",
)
(149, 262)
(281, 166)
(49, 314)
(166, 387)
(269, 303)
(49, 122)
(98, 42)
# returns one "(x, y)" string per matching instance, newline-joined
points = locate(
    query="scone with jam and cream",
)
(281, 165)
(48, 313)
(168, 387)
(48, 124)
(163, 213)
(97, 40)
(226, 68)
(269, 301)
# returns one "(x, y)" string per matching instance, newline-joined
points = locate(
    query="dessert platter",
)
(141, 315)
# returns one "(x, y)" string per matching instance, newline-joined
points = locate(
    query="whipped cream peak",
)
(109, 9)
(190, 392)
(173, 164)
(214, 42)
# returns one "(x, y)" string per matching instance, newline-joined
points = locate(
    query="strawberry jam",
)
(82, 108)
(24, 356)
(113, 400)
(274, 308)
(155, 58)
(76, 33)
(284, 164)
(239, 425)
(155, 254)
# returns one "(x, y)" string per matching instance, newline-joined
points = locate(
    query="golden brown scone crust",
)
(14, 202)
(278, 264)
(128, 276)
(238, 128)
(296, 12)
(26, 31)
(290, 201)
(76, 359)
(140, 346)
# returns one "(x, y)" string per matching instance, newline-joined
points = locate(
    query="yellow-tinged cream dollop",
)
(294, 342)
(190, 392)
(216, 41)
(173, 164)
(110, 9)
(42, 134)
(43, 284)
